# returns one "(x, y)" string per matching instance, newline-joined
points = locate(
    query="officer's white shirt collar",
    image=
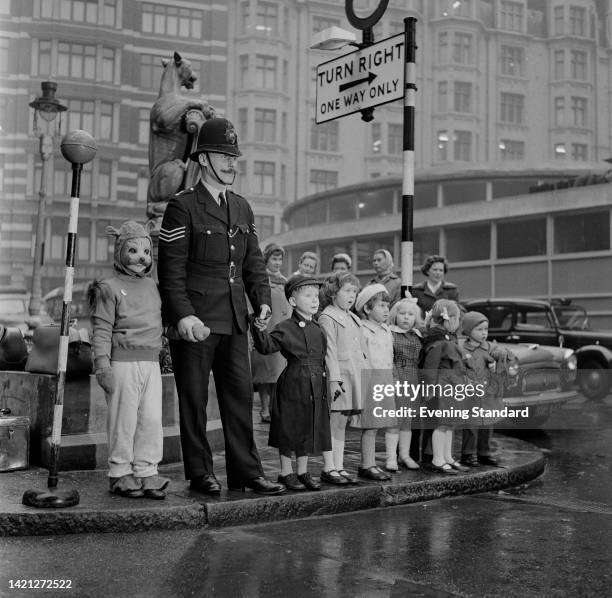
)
(214, 191)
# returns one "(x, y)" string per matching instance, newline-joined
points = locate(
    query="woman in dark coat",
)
(435, 287)
(300, 408)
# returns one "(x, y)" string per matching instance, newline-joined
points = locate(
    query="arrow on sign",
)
(369, 79)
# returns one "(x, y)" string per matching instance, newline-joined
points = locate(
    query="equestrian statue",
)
(175, 121)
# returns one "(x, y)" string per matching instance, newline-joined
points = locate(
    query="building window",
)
(44, 57)
(266, 19)
(463, 97)
(512, 108)
(521, 238)
(577, 21)
(559, 111)
(580, 152)
(76, 61)
(376, 137)
(263, 178)
(321, 23)
(150, 73)
(143, 126)
(243, 69)
(265, 72)
(582, 232)
(579, 112)
(512, 61)
(442, 145)
(81, 115)
(578, 65)
(342, 208)
(511, 16)
(104, 179)
(443, 47)
(469, 243)
(323, 180)
(559, 20)
(108, 65)
(83, 11)
(375, 203)
(512, 150)
(4, 62)
(452, 8)
(265, 226)
(366, 249)
(442, 96)
(172, 21)
(463, 145)
(426, 243)
(109, 16)
(395, 139)
(324, 137)
(559, 64)
(560, 150)
(463, 48)
(102, 245)
(106, 121)
(265, 125)
(243, 119)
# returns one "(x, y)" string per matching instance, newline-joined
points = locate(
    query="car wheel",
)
(593, 379)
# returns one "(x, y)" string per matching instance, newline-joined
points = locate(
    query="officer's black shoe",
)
(261, 486)
(206, 484)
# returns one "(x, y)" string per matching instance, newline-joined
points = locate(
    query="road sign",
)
(363, 79)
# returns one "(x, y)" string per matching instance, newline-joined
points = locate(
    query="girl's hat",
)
(367, 293)
(470, 320)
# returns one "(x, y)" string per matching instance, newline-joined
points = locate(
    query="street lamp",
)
(47, 107)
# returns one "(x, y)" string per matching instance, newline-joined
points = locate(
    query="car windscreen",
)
(500, 316)
(571, 317)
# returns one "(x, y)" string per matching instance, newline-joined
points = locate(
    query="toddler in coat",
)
(488, 364)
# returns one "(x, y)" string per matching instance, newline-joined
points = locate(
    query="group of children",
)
(338, 356)
(335, 359)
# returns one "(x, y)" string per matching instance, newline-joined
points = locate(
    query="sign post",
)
(407, 246)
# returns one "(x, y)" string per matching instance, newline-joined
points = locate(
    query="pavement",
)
(100, 511)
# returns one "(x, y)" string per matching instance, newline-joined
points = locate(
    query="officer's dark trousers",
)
(227, 356)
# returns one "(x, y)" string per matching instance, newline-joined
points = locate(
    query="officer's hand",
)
(264, 317)
(185, 328)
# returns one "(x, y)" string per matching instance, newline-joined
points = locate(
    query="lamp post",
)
(47, 107)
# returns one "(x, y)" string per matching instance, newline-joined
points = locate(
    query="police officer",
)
(208, 258)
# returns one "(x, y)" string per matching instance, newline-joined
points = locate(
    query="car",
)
(79, 307)
(556, 322)
(14, 302)
(546, 380)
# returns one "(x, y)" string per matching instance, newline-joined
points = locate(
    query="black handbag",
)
(13, 349)
(44, 355)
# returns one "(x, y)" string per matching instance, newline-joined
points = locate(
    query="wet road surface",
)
(552, 537)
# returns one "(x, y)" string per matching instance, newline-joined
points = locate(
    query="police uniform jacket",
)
(209, 257)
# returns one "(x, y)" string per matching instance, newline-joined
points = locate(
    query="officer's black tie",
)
(222, 201)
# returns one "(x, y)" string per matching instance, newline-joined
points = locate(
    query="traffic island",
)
(100, 511)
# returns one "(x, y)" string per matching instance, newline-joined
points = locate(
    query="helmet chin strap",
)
(209, 162)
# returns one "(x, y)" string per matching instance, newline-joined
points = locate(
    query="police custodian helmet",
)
(217, 135)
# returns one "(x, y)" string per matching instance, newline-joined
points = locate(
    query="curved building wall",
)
(537, 232)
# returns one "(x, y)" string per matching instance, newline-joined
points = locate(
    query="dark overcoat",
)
(209, 257)
(425, 298)
(300, 408)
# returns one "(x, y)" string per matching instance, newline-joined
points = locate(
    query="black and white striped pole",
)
(407, 246)
(78, 147)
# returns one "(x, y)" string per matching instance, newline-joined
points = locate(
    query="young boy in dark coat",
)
(300, 408)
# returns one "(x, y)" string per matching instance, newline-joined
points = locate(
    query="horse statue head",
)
(169, 144)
